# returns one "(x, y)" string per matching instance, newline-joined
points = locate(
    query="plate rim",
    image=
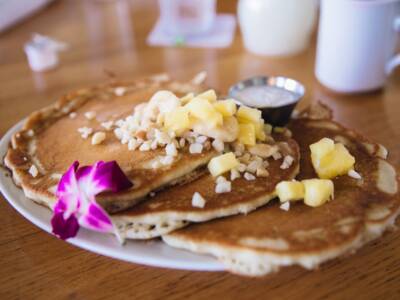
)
(206, 262)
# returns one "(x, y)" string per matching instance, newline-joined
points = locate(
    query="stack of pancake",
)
(245, 228)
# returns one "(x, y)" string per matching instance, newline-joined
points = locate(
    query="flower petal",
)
(68, 181)
(103, 176)
(96, 218)
(68, 192)
(64, 228)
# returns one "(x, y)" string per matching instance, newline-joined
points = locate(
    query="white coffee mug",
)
(276, 27)
(356, 44)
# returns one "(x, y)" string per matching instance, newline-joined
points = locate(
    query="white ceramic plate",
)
(152, 253)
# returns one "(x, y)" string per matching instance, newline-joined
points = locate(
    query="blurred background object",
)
(276, 27)
(187, 17)
(42, 52)
(14, 11)
(192, 23)
(356, 44)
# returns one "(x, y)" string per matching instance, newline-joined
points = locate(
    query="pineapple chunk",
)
(322, 148)
(185, 99)
(223, 163)
(177, 120)
(247, 134)
(204, 111)
(209, 95)
(246, 114)
(226, 108)
(260, 133)
(317, 191)
(290, 191)
(268, 128)
(331, 160)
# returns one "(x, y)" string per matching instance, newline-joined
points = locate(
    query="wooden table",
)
(111, 35)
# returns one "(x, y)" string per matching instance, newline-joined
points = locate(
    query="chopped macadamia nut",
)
(287, 162)
(107, 125)
(30, 133)
(118, 133)
(223, 187)
(287, 133)
(220, 179)
(161, 137)
(262, 172)
(253, 166)
(182, 142)
(85, 132)
(248, 176)
(90, 115)
(234, 174)
(119, 91)
(195, 148)
(156, 164)
(73, 115)
(167, 160)
(98, 138)
(198, 200)
(354, 174)
(33, 171)
(245, 158)
(218, 145)
(285, 206)
(170, 150)
(263, 150)
(145, 146)
(201, 139)
(276, 155)
(153, 145)
(241, 168)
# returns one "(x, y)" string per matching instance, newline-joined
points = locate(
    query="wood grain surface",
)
(111, 35)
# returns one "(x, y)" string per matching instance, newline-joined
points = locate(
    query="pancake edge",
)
(255, 263)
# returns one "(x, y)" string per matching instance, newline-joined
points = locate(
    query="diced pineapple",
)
(268, 128)
(260, 133)
(317, 191)
(247, 134)
(223, 163)
(330, 160)
(321, 148)
(185, 99)
(247, 114)
(177, 120)
(209, 95)
(204, 111)
(338, 162)
(227, 108)
(290, 190)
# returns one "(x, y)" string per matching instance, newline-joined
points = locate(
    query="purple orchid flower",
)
(76, 205)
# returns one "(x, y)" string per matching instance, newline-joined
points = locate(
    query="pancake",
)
(172, 208)
(269, 238)
(50, 142)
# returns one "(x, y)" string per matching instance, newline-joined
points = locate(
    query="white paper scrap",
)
(42, 52)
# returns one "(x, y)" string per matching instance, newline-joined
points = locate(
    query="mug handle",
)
(394, 61)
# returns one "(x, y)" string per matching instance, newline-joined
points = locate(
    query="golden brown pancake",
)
(172, 208)
(50, 140)
(269, 238)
